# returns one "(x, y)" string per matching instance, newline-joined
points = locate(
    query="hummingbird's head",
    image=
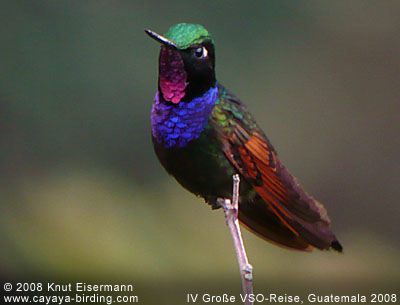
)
(186, 63)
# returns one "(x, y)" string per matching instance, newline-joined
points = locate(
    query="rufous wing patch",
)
(255, 159)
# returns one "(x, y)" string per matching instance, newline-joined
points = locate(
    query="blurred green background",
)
(83, 196)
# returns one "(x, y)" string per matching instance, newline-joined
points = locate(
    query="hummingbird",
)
(203, 135)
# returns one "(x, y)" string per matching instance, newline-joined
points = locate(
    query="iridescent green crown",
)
(186, 34)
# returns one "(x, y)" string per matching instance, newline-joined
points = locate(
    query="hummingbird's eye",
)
(201, 52)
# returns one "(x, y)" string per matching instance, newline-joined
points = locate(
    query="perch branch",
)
(231, 210)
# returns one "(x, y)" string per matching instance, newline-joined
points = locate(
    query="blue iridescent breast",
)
(175, 125)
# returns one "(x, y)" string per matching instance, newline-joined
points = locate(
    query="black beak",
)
(160, 38)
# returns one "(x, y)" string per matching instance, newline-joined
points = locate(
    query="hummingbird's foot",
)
(225, 203)
(213, 202)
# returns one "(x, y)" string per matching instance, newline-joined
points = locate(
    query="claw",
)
(225, 203)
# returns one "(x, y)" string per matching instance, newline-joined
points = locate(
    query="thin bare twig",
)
(231, 210)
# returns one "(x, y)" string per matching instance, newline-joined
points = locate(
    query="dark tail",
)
(257, 217)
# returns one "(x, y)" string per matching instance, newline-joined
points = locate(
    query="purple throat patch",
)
(172, 75)
(176, 125)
